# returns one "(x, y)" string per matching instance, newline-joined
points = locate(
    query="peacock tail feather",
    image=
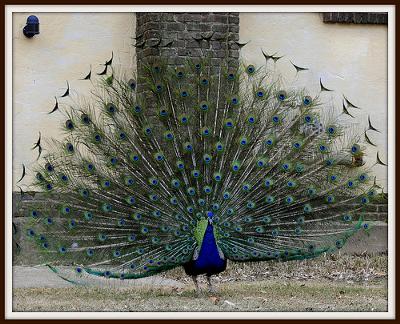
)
(132, 183)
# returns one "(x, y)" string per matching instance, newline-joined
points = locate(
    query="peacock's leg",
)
(196, 284)
(211, 288)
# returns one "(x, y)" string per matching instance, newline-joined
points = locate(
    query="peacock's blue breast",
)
(209, 260)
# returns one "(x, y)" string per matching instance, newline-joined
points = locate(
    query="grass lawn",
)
(333, 283)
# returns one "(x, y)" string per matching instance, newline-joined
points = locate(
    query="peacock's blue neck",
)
(209, 259)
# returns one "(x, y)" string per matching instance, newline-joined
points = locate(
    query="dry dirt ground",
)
(329, 284)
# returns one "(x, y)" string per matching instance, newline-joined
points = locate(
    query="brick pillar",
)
(176, 36)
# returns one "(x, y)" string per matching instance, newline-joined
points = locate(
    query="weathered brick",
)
(220, 28)
(193, 27)
(182, 28)
(174, 26)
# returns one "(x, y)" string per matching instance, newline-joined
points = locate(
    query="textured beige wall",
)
(351, 59)
(66, 47)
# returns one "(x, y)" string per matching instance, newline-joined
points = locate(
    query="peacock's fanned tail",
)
(130, 185)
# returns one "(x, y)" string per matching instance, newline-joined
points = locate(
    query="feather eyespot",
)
(188, 147)
(307, 100)
(362, 177)
(111, 108)
(183, 119)
(347, 218)
(276, 119)
(281, 95)
(163, 113)
(268, 183)
(168, 135)
(205, 131)
(49, 167)
(364, 200)
(159, 88)
(85, 119)
(207, 189)
(203, 106)
(69, 147)
(236, 166)
(250, 69)
(137, 109)
(204, 82)
(132, 84)
(331, 130)
(180, 165)
(130, 201)
(88, 216)
(251, 119)
(234, 101)
(307, 119)
(69, 124)
(246, 187)
(228, 123)
(219, 147)
(191, 191)
(289, 199)
(243, 141)
(196, 174)
(330, 199)
(207, 158)
(147, 131)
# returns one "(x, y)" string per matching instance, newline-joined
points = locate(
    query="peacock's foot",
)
(211, 288)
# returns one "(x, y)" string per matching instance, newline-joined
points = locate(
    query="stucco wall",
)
(352, 59)
(66, 47)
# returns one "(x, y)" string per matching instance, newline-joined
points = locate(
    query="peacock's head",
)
(210, 215)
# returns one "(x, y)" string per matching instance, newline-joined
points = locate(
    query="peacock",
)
(194, 165)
